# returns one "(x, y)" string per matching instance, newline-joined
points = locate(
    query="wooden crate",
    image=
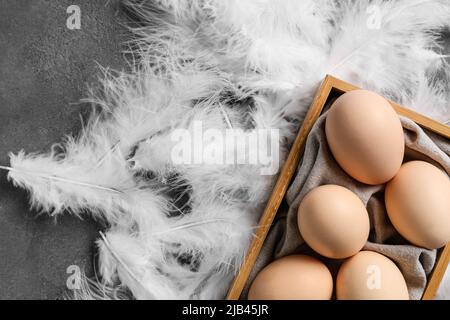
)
(330, 87)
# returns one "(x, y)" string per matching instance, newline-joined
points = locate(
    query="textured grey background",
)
(44, 68)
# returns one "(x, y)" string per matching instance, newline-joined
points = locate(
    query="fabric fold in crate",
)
(318, 167)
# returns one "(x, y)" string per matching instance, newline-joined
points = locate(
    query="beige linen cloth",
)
(318, 167)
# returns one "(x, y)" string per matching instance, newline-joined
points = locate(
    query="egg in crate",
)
(333, 221)
(296, 277)
(418, 204)
(365, 136)
(370, 276)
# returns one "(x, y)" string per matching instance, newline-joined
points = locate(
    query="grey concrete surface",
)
(44, 68)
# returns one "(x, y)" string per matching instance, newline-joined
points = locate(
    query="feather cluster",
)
(180, 231)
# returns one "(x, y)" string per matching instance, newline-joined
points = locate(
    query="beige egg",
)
(418, 204)
(296, 277)
(370, 276)
(365, 136)
(333, 221)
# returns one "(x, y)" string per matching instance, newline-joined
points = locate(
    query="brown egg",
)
(370, 276)
(418, 204)
(333, 221)
(365, 136)
(296, 277)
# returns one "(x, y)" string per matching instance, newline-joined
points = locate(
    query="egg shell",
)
(333, 221)
(418, 204)
(365, 136)
(296, 277)
(370, 276)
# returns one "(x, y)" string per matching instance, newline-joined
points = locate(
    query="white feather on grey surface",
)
(181, 231)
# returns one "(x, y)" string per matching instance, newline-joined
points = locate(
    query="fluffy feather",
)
(155, 248)
(391, 53)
